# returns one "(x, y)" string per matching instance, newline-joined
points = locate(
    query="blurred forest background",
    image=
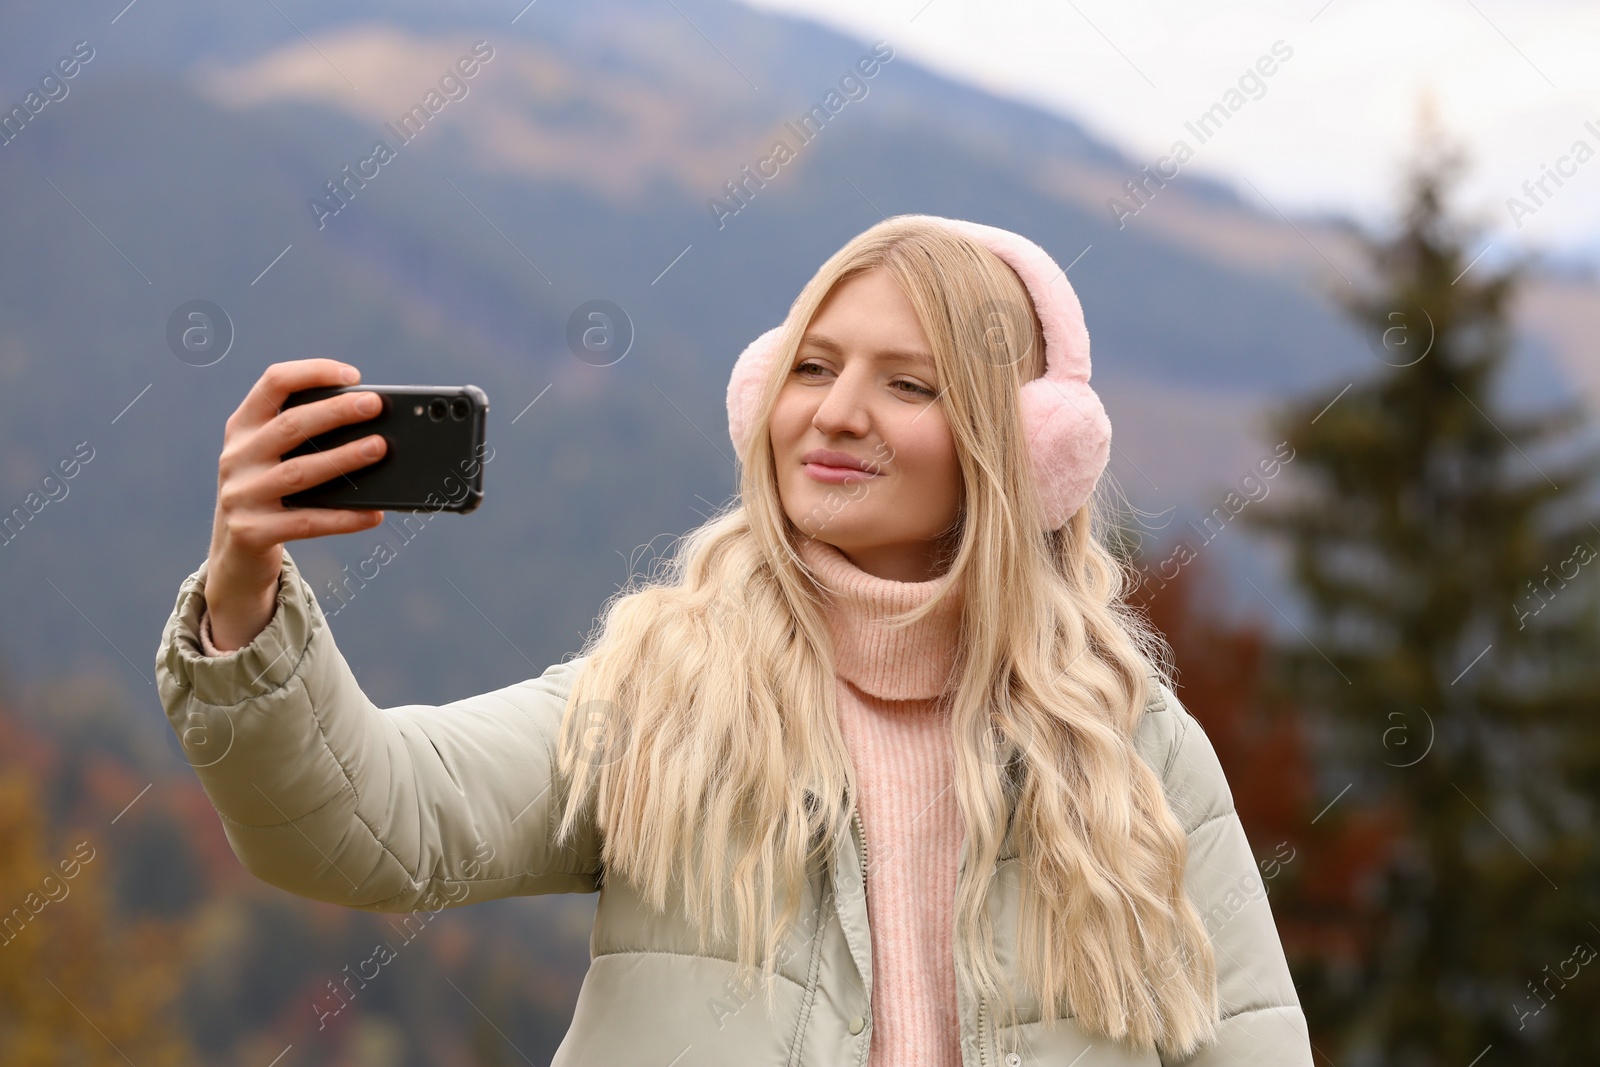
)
(1356, 468)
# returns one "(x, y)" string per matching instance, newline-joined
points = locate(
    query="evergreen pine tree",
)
(1445, 547)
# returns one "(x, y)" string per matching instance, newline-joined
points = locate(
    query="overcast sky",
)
(1517, 82)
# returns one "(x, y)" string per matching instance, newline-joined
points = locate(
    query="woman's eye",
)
(805, 366)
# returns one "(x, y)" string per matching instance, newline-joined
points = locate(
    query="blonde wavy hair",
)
(708, 702)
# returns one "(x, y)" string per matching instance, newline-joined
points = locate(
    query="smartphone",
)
(436, 437)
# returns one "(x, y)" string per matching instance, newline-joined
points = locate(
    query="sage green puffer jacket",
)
(328, 796)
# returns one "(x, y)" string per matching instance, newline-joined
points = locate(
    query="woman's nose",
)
(844, 407)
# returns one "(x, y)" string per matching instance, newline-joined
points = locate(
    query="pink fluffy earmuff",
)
(1069, 435)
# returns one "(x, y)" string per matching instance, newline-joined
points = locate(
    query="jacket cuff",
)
(189, 659)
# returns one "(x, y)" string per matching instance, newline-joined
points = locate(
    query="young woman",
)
(882, 771)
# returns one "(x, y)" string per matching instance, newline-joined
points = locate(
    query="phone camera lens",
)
(437, 408)
(460, 408)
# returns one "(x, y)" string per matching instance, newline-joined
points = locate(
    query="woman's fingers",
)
(258, 530)
(253, 478)
(297, 425)
(303, 472)
(251, 522)
(266, 396)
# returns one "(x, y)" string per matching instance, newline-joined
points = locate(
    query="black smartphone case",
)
(434, 460)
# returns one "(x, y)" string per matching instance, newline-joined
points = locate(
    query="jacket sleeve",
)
(328, 796)
(1262, 1022)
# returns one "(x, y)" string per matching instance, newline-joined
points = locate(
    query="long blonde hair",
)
(707, 703)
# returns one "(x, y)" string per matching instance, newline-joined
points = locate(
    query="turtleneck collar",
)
(912, 663)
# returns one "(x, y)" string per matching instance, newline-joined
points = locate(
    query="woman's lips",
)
(824, 473)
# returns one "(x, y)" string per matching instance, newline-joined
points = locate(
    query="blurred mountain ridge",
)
(580, 165)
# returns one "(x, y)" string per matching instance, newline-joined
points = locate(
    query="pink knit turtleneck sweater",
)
(897, 731)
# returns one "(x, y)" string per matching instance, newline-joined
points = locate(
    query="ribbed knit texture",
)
(897, 731)
(206, 644)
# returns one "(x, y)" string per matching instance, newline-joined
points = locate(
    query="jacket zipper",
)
(861, 854)
(983, 1003)
(983, 1049)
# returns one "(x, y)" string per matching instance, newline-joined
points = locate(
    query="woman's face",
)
(863, 386)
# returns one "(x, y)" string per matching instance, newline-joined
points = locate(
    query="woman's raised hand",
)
(251, 522)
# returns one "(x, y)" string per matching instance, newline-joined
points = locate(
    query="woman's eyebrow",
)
(902, 355)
